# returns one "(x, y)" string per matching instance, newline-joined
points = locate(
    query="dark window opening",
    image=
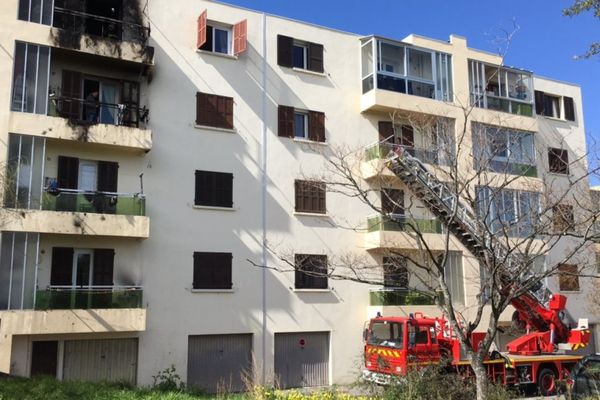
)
(558, 160)
(563, 218)
(392, 201)
(311, 271)
(310, 197)
(568, 278)
(395, 272)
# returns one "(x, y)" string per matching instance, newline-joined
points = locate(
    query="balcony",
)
(401, 297)
(97, 29)
(94, 202)
(401, 223)
(86, 298)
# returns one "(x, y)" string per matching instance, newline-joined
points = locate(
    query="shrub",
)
(168, 380)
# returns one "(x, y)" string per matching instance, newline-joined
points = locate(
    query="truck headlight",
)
(398, 369)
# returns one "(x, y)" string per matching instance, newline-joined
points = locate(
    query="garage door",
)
(219, 362)
(113, 360)
(302, 359)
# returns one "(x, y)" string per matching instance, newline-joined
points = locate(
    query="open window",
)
(217, 37)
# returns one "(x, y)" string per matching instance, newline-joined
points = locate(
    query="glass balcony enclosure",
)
(398, 67)
(85, 298)
(94, 202)
(501, 88)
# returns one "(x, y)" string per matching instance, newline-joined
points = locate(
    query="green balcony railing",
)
(94, 202)
(57, 298)
(509, 106)
(401, 297)
(403, 224)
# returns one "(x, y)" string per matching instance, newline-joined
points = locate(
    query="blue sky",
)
(545, 43)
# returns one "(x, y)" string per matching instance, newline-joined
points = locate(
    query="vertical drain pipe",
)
(263, 159)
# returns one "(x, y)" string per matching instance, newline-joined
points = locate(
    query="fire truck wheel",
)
(546, 382)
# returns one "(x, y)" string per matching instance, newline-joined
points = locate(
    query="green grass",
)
(51, 389)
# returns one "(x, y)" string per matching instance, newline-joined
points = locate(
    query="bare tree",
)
(582, 6)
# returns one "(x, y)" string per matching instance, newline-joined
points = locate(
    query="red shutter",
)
(240, 37)
(201, 29)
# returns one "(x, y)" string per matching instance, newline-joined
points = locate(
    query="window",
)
(38, 11)
(568, 278)
(504, 150)
(508, 211)
(550, 106)
(82, 267)
(396, 134)
(311, 271)
(395, 272)
(212, 270)
(301, 124)
(563, 218)
(386, 333)
(30, 78)
(294, 53)
(310, 197)
(392, 201)
(220, 38)
(453, 274)
(558, 161)
(213, 110)
(214, 189)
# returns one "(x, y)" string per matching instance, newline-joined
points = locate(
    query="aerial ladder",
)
(544, 313)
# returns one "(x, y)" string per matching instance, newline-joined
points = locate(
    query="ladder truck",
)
(395, 344)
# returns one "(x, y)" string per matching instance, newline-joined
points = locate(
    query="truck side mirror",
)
(365, 334)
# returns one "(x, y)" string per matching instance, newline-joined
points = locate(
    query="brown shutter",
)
(321, 192)
(539, 102)
(228, 120)
(200, 108)
(108, 173)
(70, 102)
(315, 57)
(62, 266)
(408, 136)
(285, 121)
(316, 126)
(569, 108)
(285, 47)
(386, 131)
(201, 38)
(299, 196)
(103, 267)
(68, 172)
(240, 37)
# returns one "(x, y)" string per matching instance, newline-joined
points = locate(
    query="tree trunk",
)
(481, 378)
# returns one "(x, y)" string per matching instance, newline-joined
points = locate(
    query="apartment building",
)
(159, 154)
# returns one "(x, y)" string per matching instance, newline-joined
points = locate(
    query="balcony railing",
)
(90, 112)
(428, 156)
(96, 25)
(84, 298)
(402, 223)
(401, 297)
(94, 202)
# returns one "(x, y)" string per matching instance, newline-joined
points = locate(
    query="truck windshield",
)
(386, 333)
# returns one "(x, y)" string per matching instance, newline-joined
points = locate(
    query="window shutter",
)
(321, 190)
(103, 267)
(569, 108)
(386, 131)
(285, 47)
(62, 266)
(68, 172)
(201, 38)
(71, 92)
(286, 121)
(200, 108)
(108, 173)
(228, 119)
(315, 57)
(316, 123)
(223, 189)
(299, 195)
(539, 102)
(408, 136)
(240, 37)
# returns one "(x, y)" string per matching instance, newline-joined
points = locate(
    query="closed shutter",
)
(201, 38)
(62, 266)
(212, 270)
(408, 136)
(214, 189)
(311, 271)
(386, 131)
(227, 116)
(539, 102)
(285, 121)
(103, 267)
(107, 176)
(224, 189)
(569, 108)
(316, 123)
(315, 57)
(203, 114)
(68, 172)
(310, 197)
(285, 47)
(70, 102)
(240, 37)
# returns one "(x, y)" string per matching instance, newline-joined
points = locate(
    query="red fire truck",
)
(540, 356)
